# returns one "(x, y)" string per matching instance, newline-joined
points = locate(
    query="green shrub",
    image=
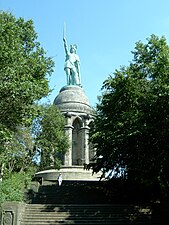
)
(13, 187)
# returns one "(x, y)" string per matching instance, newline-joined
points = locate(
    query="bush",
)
(13, 187)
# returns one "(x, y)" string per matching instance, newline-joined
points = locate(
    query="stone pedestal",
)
(74, 105)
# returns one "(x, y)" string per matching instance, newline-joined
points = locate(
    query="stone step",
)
(82, 223)
(93, 207)
(99, 221)
(85, 222)
(122, 209)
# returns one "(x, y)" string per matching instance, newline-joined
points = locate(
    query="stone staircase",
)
(81, 203)
(91, 214)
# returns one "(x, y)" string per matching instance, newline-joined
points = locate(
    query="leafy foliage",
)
(12, 188)
(23, 67)
(132, 117)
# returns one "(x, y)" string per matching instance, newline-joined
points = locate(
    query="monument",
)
(74, 105)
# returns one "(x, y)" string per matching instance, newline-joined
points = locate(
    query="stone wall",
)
(11, 213)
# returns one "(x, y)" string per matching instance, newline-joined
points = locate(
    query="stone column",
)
(85, 145)
(68, 131)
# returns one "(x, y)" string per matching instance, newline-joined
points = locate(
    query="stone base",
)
(69, 173)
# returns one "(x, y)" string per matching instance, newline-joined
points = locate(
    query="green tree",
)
(19, 152)
(24, 68)
(131, 126)
(51, 140)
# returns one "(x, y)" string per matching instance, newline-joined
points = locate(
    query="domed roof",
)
(73, 99)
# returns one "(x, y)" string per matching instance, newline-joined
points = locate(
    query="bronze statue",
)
(72, 64)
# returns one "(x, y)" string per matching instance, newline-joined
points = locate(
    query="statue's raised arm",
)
(65, 45)
(72, 64)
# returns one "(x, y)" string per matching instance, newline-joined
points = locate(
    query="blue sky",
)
(105, 32)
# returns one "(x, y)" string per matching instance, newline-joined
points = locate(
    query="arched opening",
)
(77, 142)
